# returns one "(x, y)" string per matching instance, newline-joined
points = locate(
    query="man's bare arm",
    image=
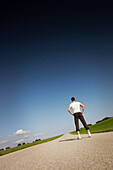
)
(82, 107)
(70, 110)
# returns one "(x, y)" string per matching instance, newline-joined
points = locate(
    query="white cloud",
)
(4, 142)
(27, 136)
(30, 139)
(21, 132)
(38, 134)
(19, 141)
(32, 136)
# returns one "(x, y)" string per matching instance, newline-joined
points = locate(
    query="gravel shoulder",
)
(64, 153)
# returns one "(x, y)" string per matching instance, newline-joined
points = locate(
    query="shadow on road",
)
(71, 139)
(67, 140)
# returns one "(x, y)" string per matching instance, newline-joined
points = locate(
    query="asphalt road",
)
(64, 153)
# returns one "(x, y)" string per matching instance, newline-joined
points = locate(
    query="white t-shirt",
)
(75, 107)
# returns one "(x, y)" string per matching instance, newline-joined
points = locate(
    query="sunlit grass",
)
(27, 145)
(104, 126)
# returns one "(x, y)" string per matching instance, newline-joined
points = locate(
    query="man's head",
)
(73, 99)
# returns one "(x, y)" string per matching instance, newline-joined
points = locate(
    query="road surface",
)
(64, 153)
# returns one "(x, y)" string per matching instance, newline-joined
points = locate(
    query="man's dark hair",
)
(73, 99)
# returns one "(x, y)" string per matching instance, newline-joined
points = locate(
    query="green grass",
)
(104, 126)
(27, 145)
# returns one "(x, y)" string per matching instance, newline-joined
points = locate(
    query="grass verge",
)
(27, 145)
(104, 126)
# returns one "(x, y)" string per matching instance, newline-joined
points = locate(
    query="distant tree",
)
(1, 149)
(7, 147)
(98, 121)
(19, 144)
(37, 140)
(89, 124)
(103, 119)
(24, 143)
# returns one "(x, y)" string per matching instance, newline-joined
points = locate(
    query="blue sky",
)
(41, 69)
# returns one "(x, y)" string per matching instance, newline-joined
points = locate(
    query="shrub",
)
(7, 147)
(37, 140)
(19, 144)
(24, 143)
(103, 119)
(1, 149)
(89, 124)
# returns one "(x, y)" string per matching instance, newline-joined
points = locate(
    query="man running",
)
(78, 115)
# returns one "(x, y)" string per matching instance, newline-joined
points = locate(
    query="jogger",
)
(78, 116)
(77, 113)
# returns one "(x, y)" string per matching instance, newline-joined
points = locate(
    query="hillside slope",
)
(104, 126)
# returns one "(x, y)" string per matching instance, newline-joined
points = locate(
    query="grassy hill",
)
(101, 126)
(27, 145)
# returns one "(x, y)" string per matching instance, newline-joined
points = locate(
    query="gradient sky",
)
(49, 53)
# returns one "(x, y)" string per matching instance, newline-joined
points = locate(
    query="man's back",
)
(75, 106)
